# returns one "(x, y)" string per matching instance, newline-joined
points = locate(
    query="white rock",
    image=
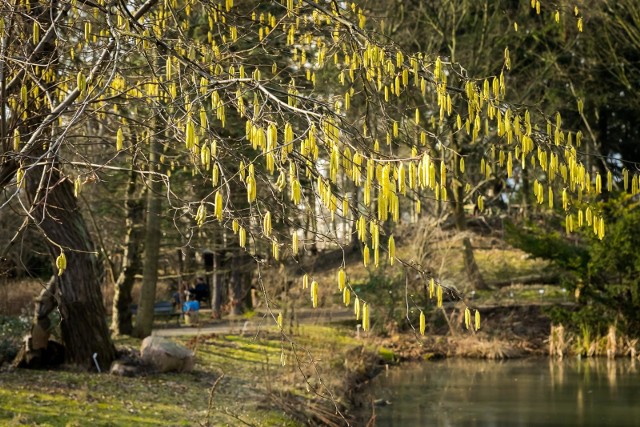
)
(166, 355)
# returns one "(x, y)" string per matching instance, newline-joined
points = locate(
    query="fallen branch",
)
(547, 279)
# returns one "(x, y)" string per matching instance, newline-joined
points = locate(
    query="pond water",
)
(529, 392)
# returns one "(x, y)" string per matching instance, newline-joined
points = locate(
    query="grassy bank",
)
(265, 379)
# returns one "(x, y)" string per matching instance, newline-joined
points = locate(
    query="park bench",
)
(164, 309)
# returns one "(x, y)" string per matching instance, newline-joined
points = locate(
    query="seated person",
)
(187, 290)
(201, 290)
(190, 309)
(175, 298)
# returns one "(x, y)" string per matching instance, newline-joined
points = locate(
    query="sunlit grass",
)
(251, 364)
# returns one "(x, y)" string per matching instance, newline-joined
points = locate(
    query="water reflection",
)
(587, 392)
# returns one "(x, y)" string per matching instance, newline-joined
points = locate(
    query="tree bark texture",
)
(84, 325)
(217, 284)
(121, 322)
(144, 318)
(54, 210)
(240, 283)
(474, 277)
(41, 326)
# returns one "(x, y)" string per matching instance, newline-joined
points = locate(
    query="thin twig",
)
(211, 393)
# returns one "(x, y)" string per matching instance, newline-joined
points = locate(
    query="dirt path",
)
(242, 325)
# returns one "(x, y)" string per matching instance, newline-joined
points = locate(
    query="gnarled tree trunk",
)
(54, 210)
(77, 291)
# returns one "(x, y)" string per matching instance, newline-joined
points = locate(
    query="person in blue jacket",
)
(191, 308)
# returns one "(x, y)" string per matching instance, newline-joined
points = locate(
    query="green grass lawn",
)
(252, 367)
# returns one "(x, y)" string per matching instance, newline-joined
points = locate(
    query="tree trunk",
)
(188, 263)
(217, 283)
(144, 318)
(54, 210)
(83, 325)
(121, 322)
(239, 283)
(476, 281)
(45, 304)
(474, 277)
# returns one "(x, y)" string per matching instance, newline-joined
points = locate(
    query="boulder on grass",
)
(166, 355)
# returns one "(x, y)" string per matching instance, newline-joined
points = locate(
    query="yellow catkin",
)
(477, 320)
(119, 139)
(601, 228)
(314, 294)
(81, 81)
(356, 308)
(294, 243)
(423, 323)
(467, 317)
(168, 70)
(392, 250)
(20, 178)
(242, 237)
(61, 263)
(219, 206)
(342, 279)
(201, 215)
(365, 317)
(36, 32)
(266, 224)
(346, 296)
(439, 296)
(16, 140)
(77, 186)
(280, 320)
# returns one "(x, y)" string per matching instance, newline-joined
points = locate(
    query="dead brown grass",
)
(16, 297)
(478, 347)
